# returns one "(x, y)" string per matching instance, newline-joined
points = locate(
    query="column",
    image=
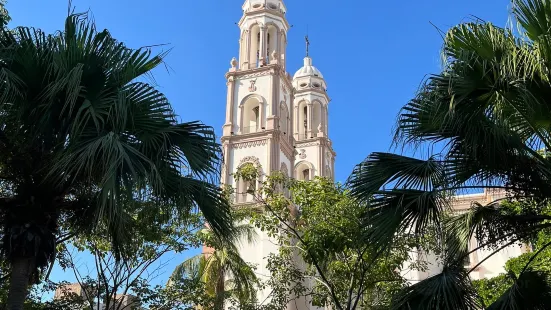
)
(247, 47)
(228, 126)
(226, 167)
(262, 48)
(281, 60)
(295, 122)
(310, 118)
(327, 120)
(229, 100)
(322, 118)
(240, 131)
(261, 115)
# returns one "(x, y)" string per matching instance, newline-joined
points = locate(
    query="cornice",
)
(305, 144)
(246, 137)
(299, 92)
(273, 69)
(255, 206)
(261, 11)
(248, 144)
(323, 141)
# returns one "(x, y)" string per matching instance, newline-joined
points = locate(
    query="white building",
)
(280, 123)
(273, 120)
(485, 266)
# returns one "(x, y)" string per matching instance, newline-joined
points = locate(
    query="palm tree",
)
(222, 270)
(83, 134)
(489, 111)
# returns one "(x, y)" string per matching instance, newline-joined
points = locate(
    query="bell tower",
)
(311, 123)
(259, 121)
(258, 128)
(273, 121)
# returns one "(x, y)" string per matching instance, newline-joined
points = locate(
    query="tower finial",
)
(307, 42)
(307, 46)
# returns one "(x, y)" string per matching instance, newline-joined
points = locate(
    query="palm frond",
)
(531, 291)
(401, 211)
(449, 290)
(400, 171)
(491, 225)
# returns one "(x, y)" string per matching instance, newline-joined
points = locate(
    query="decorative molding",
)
(248, 144)
(255, 74)
(307, 144)
(250, 159)
(302, 154)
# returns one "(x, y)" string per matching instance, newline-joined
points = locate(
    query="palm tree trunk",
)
(21, 270)
(220, 291)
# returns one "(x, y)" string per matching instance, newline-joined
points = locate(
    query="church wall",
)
(287, 162)
(239, 153)
(495, 264)
(491, 267)
(258, 252)
(244, 88)
(308, 152)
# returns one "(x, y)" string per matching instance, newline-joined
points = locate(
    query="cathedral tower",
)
(273, 121)
(260, 94)
(310, 114)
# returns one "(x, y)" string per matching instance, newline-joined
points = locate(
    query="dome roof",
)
(308, 70)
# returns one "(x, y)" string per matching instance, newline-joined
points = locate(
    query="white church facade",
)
(279, 122)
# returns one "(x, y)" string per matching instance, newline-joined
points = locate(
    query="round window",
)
(272, 6)
(256, 6)
(303, 85)
(317, 85)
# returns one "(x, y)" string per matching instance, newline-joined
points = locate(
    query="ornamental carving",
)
(248, 144)
(302, 154)
(257, 74)
(307, 144)
(252, 87)
(250, 159)
(284, 169)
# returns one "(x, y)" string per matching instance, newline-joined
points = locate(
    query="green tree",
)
(4, 14)
(324, 258)
(539, 259)
(227, 277)
(83, 137)
(488, 112)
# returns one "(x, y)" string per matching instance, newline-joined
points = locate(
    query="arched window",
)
(306, 174)
(317, 117)
(254, 46)
(248, 181)
(304, 171)
(271, 41)
(305, 121)
(251, 115)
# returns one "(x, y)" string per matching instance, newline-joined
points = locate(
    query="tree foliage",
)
(488, 111)
(226, 277)
(319, 224)
(84, 137)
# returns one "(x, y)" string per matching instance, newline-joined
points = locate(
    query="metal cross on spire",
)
(307, 45)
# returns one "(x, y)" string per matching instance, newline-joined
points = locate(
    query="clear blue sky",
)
(373, 54)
